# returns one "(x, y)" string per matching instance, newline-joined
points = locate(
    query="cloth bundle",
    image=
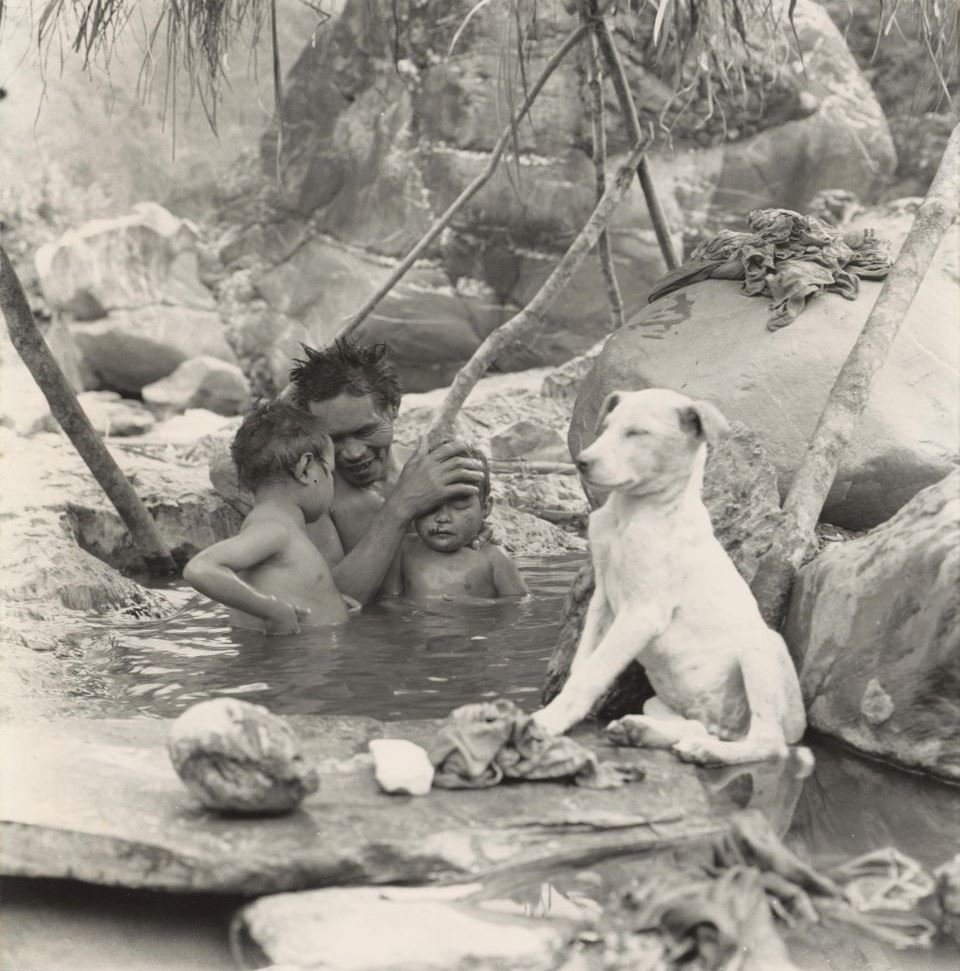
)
(479, 745)
(787, 257)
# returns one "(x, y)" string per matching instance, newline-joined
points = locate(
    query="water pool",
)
(392, 661)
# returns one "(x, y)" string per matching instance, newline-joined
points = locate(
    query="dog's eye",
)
(634, 432)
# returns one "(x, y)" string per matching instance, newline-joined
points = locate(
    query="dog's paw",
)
(701, 751)
(552, 722)
(637, 731)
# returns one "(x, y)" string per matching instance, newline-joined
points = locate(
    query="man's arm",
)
(214, 573)
(428, 479)
(506, 577)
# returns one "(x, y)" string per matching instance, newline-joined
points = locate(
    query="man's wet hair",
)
(271, 441)
(349, 365)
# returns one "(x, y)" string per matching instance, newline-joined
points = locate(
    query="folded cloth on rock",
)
(479, 745)
(787, 257)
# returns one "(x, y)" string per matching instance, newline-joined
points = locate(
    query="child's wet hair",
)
(484, 486)
(271, 441)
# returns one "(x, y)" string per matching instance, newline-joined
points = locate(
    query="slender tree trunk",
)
(32, 348)
(629, 110)
(604, 251)
(471, 190)
(521, 324)
(851, 390)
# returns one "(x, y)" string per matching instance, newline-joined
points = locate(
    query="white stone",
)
(201, 382)
(401, 766)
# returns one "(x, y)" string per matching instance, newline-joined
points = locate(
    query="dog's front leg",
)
(597, 618)
(626, 637)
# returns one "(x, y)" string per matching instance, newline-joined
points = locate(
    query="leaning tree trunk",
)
(32, 348)
(851, 390)
(531, 316)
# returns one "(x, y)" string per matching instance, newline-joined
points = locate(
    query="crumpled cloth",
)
(482, 744)
(787, 257)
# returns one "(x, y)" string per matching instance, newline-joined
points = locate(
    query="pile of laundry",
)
(480, 745)
(787, 257)
(734, 904)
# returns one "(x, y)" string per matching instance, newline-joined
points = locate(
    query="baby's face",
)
(451, 525)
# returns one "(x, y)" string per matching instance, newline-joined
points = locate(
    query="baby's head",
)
(280, 444)
(457, 522)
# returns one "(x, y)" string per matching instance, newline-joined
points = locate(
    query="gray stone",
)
(873, 628)
(109, 414)
(740, 493)
(529, 440)
(415, 928)
(98, 801)
(144, 258)
(201, 382)
(710, 341)
(237, 757)
(132, 348)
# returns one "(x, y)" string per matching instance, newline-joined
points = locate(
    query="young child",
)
(443, 560)
(270, 574)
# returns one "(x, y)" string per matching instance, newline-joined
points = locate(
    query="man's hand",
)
(283, 617)
(432, 477)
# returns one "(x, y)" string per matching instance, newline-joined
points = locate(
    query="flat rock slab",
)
(99, 801)
(415, 929)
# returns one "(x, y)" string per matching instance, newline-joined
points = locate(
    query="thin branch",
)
(32, 348)
(471, 190)
(521, 324)
(604, 251)
(629, 110)
(851, 390)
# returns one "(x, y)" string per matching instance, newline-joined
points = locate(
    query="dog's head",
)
(649, 441)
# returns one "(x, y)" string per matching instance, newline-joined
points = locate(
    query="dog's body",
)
(668, 595)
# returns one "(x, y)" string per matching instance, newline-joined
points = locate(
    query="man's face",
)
(361, 433)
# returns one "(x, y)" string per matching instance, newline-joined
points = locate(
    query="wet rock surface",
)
(872, 627)
(99, 801)
(235, 757)
(709, 340)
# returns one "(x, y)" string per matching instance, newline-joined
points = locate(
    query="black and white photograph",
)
(479, 485)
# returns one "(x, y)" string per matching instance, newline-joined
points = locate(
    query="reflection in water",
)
(394, 660)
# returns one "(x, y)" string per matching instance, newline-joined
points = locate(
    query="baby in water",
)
(446, 559)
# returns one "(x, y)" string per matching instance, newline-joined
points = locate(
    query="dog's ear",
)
(703, 421)
(609, 403)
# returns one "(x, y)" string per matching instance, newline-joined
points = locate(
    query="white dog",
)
(668, 596)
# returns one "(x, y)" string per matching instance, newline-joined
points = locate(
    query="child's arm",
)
(506, 577)
(214, 573)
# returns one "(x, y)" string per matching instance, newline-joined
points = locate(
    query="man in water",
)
(379, 487)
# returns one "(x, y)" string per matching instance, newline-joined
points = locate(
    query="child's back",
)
(270, 574)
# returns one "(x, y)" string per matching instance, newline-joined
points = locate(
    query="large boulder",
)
(874, 627)
(148, 256)
(201, 382)
(132, 290)
(711, 341)
(379, 140)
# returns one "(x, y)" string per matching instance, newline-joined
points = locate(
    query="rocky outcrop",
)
(740, 493)
(201, 382)
(98, 801)
(379, 139)
(709, 340)
(132, 287)
(109, 414)
(873, 628)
